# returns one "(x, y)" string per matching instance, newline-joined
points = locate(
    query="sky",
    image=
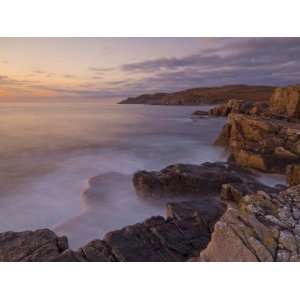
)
(121, 67)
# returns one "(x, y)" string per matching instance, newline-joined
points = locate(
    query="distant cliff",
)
(207, 95)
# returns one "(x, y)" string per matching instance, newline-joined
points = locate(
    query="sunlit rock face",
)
(293, 174)
(258, 227)
(286, 102)
(261, 143)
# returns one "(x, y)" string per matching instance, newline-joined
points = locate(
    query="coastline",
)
(256, 213)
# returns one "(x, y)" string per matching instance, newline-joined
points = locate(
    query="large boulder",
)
(285, 102)
(261, 143)
(184, 181)
(39, 245)
(260, 227)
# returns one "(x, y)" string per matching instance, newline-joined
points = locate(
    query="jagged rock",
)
(285, 102)
(293, 174)
(256, 229)
(39, 245)
(97, 250)
(189, 181)
(233, 192)
(261, 143)
(157, 239)
(239, 106)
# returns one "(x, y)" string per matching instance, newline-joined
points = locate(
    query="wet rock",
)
(39, 245)
(184, 181)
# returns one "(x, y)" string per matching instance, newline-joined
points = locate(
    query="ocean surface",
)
(49, 151)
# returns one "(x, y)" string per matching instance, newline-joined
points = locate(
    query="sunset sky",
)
(121, 67)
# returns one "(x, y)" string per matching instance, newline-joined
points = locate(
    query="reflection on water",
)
(48, 151)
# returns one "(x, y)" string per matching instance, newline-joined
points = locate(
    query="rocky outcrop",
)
(258, 227)
(285, 102)
(206, 95)
(293, 174)
(189, 181)
(39, 245)
(261, 143)
(185, 232)
(239, 106)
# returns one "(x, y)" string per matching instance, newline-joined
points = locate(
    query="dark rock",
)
(183, 181)
(39, 245)
(97, 250)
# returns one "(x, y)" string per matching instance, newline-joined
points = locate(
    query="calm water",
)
(48, 151)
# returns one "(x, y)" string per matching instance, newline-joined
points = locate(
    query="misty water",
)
(49, 151)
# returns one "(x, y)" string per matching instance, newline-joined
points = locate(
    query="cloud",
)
(97, 70)
(70, 76)
(260, 61)
(269, 61)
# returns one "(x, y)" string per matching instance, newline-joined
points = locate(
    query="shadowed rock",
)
(184, 181)
(39, 245)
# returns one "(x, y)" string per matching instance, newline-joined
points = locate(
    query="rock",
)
(240, 107)
(184, 181)
(207, 211)
(286, 102)
(233, 192)
(157, 239)
(39, 245)
(223, 138)
(261, 143)
(200, 113)
(97, 250)
(254, 229)
(293, 174)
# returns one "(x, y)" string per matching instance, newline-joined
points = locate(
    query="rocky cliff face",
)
(240, 107)
(258, 227)
(209, 95)
(266, 138)
(265, 144)
(285, 102)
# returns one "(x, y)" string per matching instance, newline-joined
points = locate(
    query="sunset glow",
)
(115, 67)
